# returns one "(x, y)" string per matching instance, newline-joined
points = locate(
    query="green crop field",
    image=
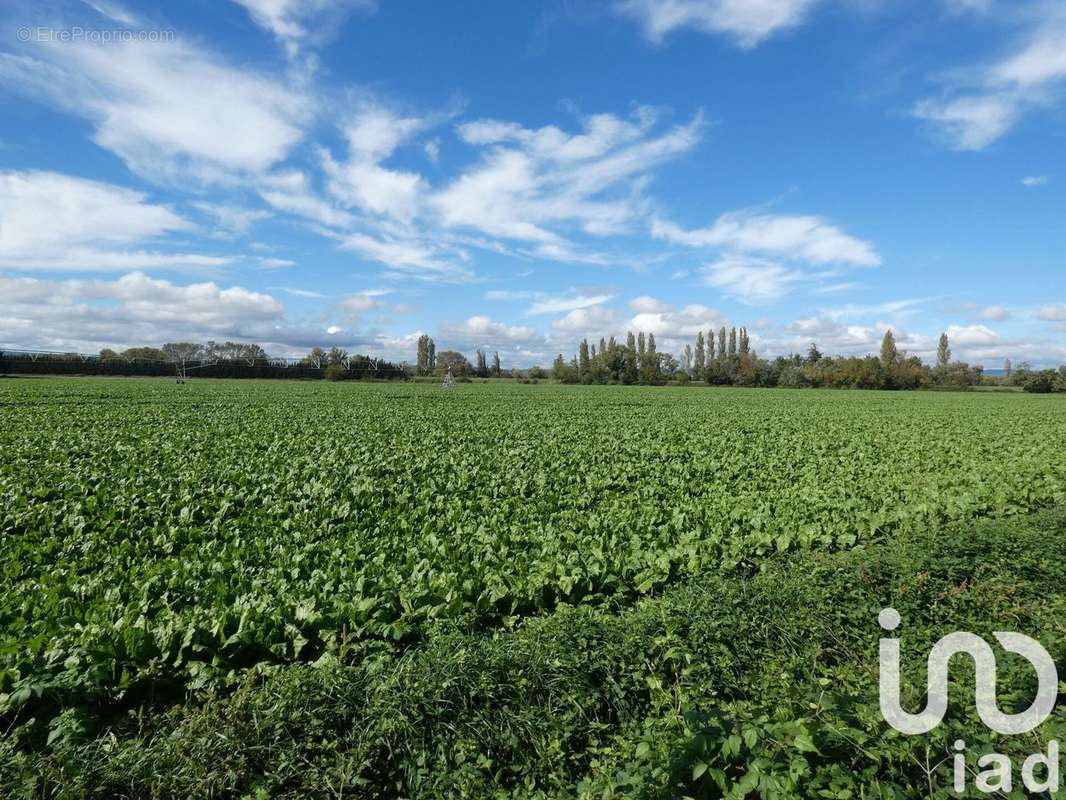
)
(255, 589)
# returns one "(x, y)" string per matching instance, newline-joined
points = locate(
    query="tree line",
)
(721, 358)
(725, 358)
(206, 360)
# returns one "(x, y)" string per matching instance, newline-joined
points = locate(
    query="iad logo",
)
(999, 776)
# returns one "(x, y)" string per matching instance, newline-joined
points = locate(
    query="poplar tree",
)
(889, 353)
(701, 353)
(583, 362)
(629, 360)
(943, 353)
(422, 358)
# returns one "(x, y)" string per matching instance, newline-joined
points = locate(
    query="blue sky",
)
(516, 176)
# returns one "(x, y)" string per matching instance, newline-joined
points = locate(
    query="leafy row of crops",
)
(163, 539)
(760, 686)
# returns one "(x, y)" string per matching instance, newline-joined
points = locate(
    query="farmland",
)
(224, 548)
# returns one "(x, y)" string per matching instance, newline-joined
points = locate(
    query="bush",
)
(1042, 382)
(335, 372)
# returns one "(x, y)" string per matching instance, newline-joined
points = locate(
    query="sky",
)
(517, 176)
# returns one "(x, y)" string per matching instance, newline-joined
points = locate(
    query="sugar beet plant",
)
(163, 541)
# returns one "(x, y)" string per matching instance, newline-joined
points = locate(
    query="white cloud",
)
(275, 263)
(366, 300)
(54, 221)
(291, 191)
(1052, 312)
(1035, 180)
(171, 111)
(648, 305)
(113, 12)
(976, 344)
(747, 21)
(480, 331)
(971, 335)
(232, 220)
(839, 337)
(807, 238)
(983, 104)
(373, 135)
(293, 21)
(673, 328)
(136, 310)
(892, 308)
(411, 257)
(535, 185)
(971, 123)
(554, 305)
(993, 313)
(508, 295)
(132, 310)
(750, 280)
(672, 324)
(592, 322)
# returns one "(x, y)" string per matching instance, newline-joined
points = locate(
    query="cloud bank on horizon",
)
(307, 173)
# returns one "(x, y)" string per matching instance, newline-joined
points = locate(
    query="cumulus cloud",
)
(748, 22)
(170, 110)
(54, 221)
(648, 305)
(484, 332)
(591, 322)
(1053, 312)
(134, 309)
(674, 324)
(971, 335)
(673, 327)
(1035, 180)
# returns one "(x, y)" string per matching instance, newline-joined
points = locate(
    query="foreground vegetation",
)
(759, 685)
(222, 588)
